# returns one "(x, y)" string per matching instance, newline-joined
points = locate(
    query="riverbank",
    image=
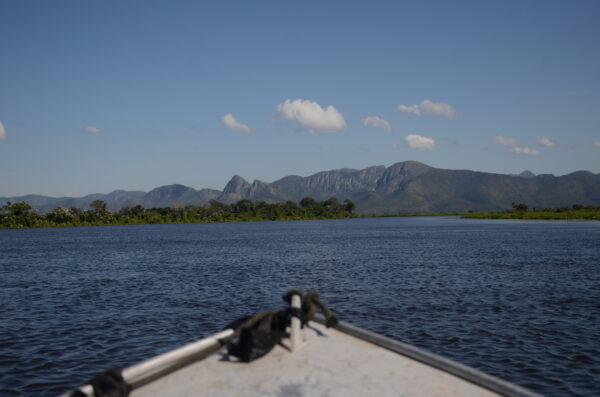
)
(554, 214)
(21, 215)
(586, 213)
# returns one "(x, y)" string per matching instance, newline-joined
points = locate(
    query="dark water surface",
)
(520, 300)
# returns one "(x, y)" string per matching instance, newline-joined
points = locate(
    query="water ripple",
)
(515, 299)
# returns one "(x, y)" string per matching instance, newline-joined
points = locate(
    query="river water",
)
(517, 299)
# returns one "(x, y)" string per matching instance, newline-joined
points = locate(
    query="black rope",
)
(256, 335)
(109, 383)
(296, 312)
(310, 303)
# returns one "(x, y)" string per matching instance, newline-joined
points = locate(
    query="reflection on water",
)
(519, 300)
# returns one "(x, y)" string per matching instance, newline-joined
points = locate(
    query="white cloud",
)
(438, 108)
(232, 123)
(524, 150)
(375, 121)
(546, 142)
(501, 140)
(419, 142)
(2, 132)
(515, 148)
(92, 130)
(429, 107)
(414, 109)
(312, 116)
(597, 143)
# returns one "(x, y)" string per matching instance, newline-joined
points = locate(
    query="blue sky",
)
(98, 96)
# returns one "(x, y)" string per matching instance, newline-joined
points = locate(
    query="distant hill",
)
(527, 174)
(407, 186)
(115, 200)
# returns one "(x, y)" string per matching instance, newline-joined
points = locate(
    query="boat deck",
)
(328, 363)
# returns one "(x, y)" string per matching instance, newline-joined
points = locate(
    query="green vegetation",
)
(410, 214)
(522, 211)
(21, 215)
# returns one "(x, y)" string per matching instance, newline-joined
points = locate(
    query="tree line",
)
(21, 214)
(522, 211)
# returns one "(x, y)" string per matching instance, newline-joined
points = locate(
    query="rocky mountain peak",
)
(527, 174)
(237, 185)
(411, 167)
(397, 174)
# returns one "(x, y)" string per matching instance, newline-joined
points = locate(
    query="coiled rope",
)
(257, 335)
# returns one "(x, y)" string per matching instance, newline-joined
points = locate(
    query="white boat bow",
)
(314, 360)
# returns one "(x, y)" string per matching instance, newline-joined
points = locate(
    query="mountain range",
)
(407, 186)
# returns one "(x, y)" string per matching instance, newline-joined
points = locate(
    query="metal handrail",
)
(145, 372)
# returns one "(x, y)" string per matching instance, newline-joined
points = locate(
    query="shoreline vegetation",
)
(21, 215)
(522, 211)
